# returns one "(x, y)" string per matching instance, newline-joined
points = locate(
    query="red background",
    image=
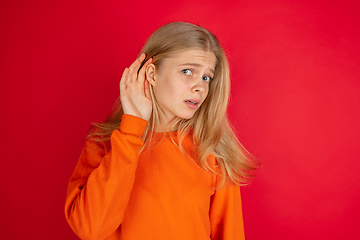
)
(295, 104)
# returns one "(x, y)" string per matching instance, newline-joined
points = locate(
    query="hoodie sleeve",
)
(99, 189)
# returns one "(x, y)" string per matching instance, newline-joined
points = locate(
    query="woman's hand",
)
(135, 91)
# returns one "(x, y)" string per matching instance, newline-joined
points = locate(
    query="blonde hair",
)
(210, 128)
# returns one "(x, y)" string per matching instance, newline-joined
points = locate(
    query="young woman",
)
(165, 164)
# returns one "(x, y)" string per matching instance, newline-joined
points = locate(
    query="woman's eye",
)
(207, 78)
(187, 71)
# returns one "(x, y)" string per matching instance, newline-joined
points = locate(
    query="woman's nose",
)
(199, 85)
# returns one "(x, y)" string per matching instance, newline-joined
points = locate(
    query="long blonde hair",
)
(210, 128)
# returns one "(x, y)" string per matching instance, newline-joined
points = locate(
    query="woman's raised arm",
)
(100, 187)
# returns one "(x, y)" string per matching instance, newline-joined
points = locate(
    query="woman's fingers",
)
(124, 79)
(134, 90)
(137, 62)
(134, 68)
(130, 74)
(132, 80)
(141, 75)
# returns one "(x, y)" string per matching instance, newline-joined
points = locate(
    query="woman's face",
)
(181, 83)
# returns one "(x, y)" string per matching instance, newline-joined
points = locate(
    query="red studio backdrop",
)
(295, 104)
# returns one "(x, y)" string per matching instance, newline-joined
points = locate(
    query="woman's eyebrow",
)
(195, 65)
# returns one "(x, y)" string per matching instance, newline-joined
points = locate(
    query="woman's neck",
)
(170, 126)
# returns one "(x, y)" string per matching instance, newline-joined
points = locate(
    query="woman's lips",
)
(193, 104)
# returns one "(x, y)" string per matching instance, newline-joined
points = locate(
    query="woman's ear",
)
(149, 73)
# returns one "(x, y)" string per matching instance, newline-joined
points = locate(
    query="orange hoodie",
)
(117, 193)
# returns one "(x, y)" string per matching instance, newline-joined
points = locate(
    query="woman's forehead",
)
(194, 57)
